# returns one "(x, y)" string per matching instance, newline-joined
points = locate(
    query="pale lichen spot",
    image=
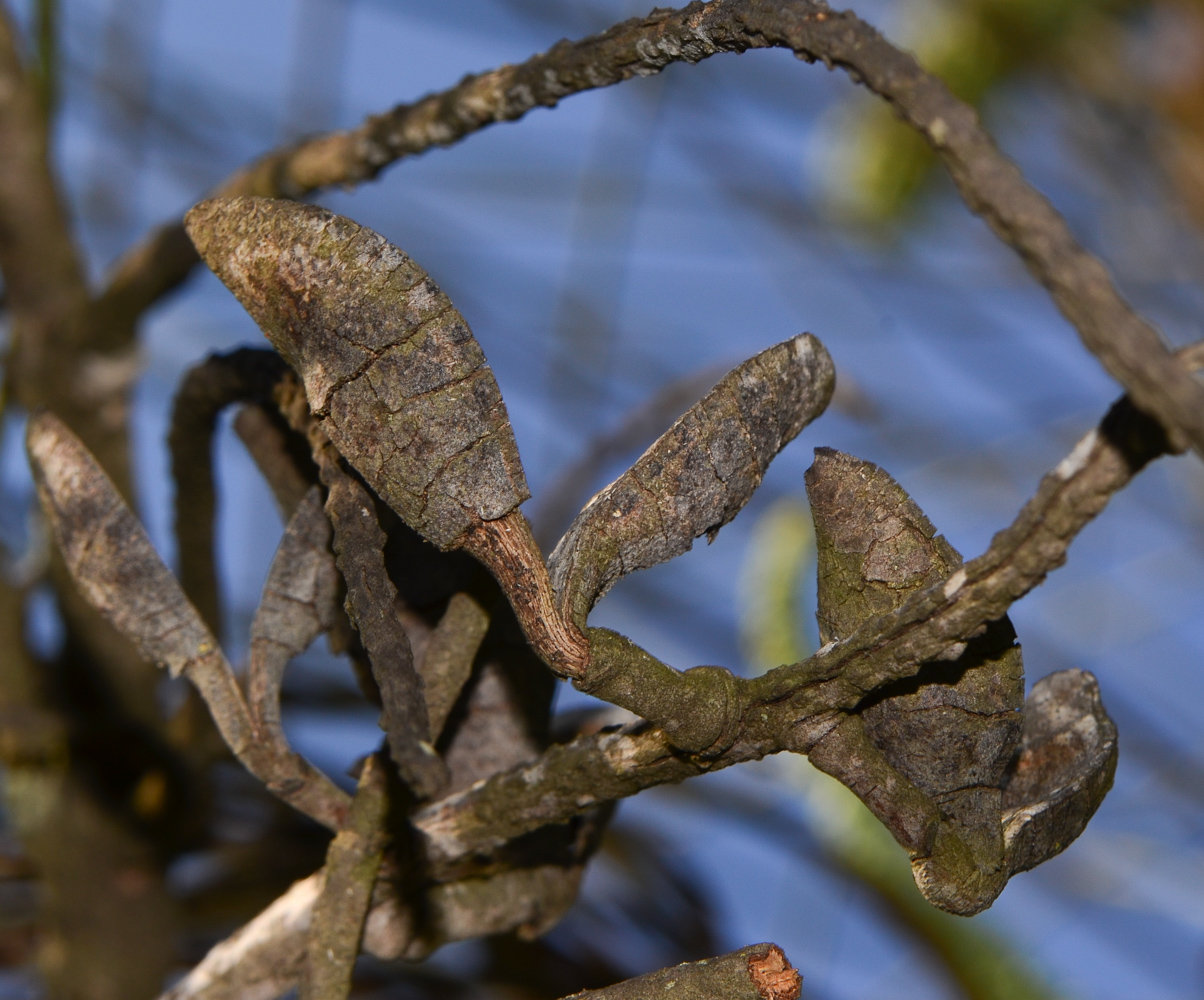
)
(1073, 463)
(954, 583)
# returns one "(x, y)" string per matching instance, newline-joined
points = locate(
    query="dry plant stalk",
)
(380, 422)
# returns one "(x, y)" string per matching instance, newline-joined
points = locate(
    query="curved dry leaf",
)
(299, 603)
(388, 364)
(951, 731)
(1064, 769)
(119, 573)
(697, 476)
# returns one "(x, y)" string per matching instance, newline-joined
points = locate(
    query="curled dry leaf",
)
(299, 603)
(1064, 768)
(398, 381)
(118, 571)
(697, 476)
(938, 757)
(389, 365)
(952, 730)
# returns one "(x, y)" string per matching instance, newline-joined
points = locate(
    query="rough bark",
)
(352, 863)
(992, 186)
(951, 731)
(758, 972)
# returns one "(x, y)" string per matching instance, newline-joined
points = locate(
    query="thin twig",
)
(245, 375)
(352, 861)
(792, 707)
(758, 972)
(992, 186)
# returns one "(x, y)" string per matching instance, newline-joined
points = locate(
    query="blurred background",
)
(614, 256)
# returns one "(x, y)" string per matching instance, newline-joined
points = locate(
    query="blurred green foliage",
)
(973, 45)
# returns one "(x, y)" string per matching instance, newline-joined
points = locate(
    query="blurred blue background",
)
(637, 235)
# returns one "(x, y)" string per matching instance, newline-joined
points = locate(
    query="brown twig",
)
(793, 707)
(352, 861)
(992, 186)
(288, 470)
(758, 972)
(245, 375)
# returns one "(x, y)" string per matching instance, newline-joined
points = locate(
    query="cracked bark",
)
(397, 381)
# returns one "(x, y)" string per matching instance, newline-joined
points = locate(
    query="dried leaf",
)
(388, 364)
(118, 571)
(1064, 769)
(697, 476)
(952, 730)
(449, 656)
(359, 545)
(299, 603)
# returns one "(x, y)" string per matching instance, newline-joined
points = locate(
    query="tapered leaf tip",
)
(216, 226)
(43, 434)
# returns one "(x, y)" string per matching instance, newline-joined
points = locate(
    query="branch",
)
(352, 861)
(793, 707)
(1129, 348)
(42, 275)
(288, 470)
(241, 376)
(758, 972)
(264, 958)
